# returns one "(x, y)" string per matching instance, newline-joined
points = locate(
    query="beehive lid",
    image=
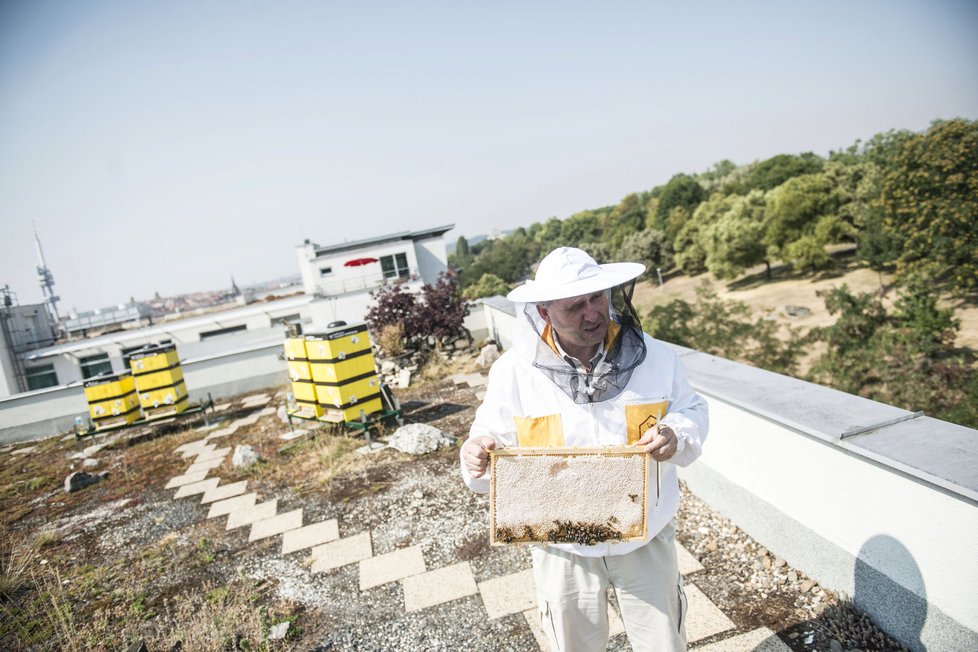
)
(568, 495)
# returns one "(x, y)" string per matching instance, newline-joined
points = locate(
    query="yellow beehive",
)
(151, 380)
(348, 392)
(337, 343)
(308, 409)
(112, 400)
(295, 348)
(304, 390)
(154, 358)
(337, 371)
(352, 411)
(162, 396)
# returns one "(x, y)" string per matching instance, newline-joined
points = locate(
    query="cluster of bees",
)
(586, 534)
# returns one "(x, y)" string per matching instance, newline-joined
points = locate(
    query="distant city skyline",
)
(167, 147)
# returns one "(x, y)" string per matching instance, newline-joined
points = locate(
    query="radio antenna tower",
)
(45, 278)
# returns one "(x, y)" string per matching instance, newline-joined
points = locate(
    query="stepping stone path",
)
(422, 587)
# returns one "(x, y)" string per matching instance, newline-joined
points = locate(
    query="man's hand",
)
(662, 442)
(475, 454)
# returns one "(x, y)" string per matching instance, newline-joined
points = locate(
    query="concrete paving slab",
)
(311, 535)
(478, 381)
(480, 395)
(215, 454)
(391, 567)
(191, 446)
(206, 465)
(223, 432)
(197, 451)
(687, 562)
(70, 437)
(186, 478)
(266, 412)
(532, 616)
(257, 399)
(293, 434)
(438, 586)
(249, 515)
(228, 505)
(196, 488)
(704, 619)
(509, 594)
(221, 407)
(758, 640)
(341, 552)
(276, 525)
(224, 491)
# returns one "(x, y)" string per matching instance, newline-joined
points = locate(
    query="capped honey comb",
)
(568, 495)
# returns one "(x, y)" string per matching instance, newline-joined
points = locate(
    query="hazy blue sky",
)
(169, 145)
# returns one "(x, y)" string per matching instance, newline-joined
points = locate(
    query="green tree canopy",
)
(771, 173)
(930, 197)
(681, 190)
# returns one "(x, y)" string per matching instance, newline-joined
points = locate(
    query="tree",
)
(489, 285)
(771, 173)
(905, 358)
(651, 248)
(734, 241)
(681, 190)
(724, 328)
(930, 197)
(793, 209)
(625, 219)
(442, 308)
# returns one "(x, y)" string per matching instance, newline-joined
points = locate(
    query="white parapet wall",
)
(873, 502)
(49, 412)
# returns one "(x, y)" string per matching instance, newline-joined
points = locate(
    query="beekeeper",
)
(579, 357)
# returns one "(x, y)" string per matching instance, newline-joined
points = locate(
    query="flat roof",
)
(219, 319)
(393, 237)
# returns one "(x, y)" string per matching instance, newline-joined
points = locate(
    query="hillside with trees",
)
(903, 204)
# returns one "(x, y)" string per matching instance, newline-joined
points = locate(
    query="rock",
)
(806, 586)
(282, 414)
(80, 480)
(797, 311)
(278, 632)
(91, 450)
(488, 355)
(766, 561)
(418, 438)
(89, 463)
(138, 646)
(712, 546)
(404, 379)
(779, 563)
(387, 367)
(461, 344)
(244, 456)
(835, 646)
(792, 577)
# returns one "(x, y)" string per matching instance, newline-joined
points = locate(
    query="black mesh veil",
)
(611, 374)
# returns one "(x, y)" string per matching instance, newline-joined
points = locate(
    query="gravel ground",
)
(421, 501)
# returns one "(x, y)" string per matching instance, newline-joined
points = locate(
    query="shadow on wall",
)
(899, 608)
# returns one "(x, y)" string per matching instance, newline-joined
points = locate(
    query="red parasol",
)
(357, 262)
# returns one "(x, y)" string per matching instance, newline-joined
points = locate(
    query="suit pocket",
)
(542, 431)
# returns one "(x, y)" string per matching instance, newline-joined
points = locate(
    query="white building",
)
(413, 257)
(337, 285)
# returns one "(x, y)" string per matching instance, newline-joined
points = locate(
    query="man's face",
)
(581, 322)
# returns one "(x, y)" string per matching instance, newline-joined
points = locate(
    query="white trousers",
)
(573, 595)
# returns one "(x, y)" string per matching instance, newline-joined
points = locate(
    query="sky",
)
(170, 146)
